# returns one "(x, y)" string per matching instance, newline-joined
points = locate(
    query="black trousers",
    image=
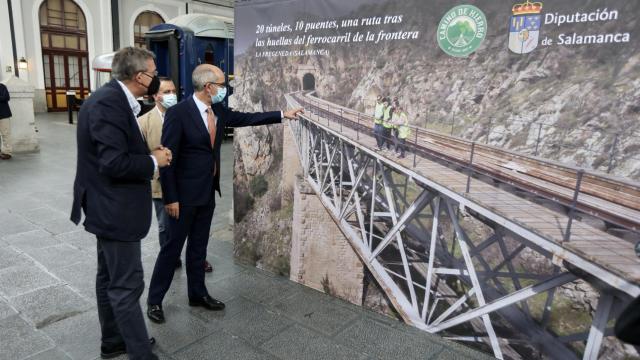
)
(119, 285)
(194, 223)
(387, 138)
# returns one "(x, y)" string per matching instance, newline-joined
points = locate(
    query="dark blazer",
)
(5, 111)
(189, 179)
(114, 168)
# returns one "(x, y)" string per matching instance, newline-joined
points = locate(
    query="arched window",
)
(145, 21)
(63, 33)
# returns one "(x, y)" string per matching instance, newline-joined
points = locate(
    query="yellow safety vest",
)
(378, 113)
(404, 130)
(395, 120)
(387, 117)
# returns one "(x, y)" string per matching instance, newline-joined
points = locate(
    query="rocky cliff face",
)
(263, 226)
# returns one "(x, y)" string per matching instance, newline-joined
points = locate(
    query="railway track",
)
(615, 201)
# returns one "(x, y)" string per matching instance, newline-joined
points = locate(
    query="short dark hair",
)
(164, 78)
(129, 61)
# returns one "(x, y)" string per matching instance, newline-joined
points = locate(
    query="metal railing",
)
(338, 118)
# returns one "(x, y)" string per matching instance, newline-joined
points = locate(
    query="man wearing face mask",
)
(193, 130)
(112, 188)
(151, 127)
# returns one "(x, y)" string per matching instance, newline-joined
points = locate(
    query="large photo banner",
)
(555, 80)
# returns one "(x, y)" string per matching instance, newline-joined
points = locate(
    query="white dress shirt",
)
(161, 113)
(135, 108)
(202, 108)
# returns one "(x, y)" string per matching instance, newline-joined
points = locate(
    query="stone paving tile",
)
(59, 226)
(13, 224)
(20, 339)
(10, 257)
(313, 309)
(18, 280)
(78, 336)
(256, 324)
(6, 310)
(35, 239)
(233, 307)
(221, 345)
(224, 268)
(256, 286)
(300, 343)
(79, 239)
(81, 277)
(52, 354)
(158, 353)
(20, 202)
(42, 215)
(180, 329)
(57, 256)
(49, 305)
(383, 342)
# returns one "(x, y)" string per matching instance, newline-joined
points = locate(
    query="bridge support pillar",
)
(321, 256)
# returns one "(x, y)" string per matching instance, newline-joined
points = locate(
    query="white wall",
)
(6, 54)
(130, 9)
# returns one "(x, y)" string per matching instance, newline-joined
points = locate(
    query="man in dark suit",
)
(193, 131)
(112, 188)
(5, 124)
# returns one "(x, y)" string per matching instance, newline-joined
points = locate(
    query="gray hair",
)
(129, 61)
(201, 76)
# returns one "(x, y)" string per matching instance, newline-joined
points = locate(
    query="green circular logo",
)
(462, 30)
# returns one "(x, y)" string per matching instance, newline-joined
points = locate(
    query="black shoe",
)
(208, 303)
(155, 314)
(112, 351)
(179, 264)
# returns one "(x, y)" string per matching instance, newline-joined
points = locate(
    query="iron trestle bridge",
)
(458, 255)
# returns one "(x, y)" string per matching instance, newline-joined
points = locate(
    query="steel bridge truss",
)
(445, 268)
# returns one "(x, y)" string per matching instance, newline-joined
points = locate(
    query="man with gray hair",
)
(193, 131)
(112, 188)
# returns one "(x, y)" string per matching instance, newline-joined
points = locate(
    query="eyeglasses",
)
(222, 84)
(153, 74)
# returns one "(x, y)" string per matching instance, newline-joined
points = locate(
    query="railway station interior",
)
(319, 179)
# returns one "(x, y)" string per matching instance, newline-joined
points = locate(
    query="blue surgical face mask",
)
(168, 100)
(222, 92)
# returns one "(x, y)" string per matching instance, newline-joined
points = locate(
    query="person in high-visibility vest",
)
(401, 121)
(386, 125)
(378, 114)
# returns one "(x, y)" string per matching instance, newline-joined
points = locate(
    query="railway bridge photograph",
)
(319, 179)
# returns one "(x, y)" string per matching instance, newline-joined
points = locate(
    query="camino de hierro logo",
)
(462, 30)
(524, 27)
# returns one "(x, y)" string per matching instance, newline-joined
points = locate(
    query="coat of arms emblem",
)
(524, 27)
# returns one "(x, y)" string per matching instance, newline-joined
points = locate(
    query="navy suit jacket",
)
(114, 168)
(189, 179)
(5, 111)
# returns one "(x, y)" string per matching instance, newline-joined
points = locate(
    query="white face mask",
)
(168, 100)
(219, 96)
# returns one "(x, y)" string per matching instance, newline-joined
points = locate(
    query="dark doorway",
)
(208, 55)
(308, 82)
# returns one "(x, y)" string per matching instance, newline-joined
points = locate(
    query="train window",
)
(145, 21)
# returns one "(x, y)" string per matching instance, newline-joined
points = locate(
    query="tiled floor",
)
(47, 274)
